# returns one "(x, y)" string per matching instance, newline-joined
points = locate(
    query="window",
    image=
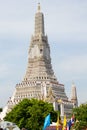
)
(41, 50)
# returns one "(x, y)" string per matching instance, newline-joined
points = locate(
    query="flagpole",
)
(64, 123)
(58, 124)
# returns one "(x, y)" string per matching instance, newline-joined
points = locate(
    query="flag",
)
(64, 123)
(46, 122)
(57, 124)
(70, 123)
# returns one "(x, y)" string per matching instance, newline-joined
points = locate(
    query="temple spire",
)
(39, 22)
(39, 8)
(74, 95)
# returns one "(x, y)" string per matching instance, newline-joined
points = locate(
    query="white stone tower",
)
(74, 95)
(39, 75)
(39, 81)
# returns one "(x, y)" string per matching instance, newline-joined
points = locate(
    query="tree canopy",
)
(31, 114)
(0, 109)
(81, 116)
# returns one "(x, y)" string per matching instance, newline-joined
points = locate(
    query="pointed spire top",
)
(39, 22)
(73, 84)
(39, 8)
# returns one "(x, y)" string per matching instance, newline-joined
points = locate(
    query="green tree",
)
(81, 117)
(0, 109)
(31, 114)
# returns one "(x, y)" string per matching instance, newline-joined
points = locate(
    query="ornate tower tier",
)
(39, 61)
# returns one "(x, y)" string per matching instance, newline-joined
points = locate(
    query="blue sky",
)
(66, 27)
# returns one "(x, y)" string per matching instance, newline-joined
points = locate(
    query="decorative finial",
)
(39, 7)
(73, 83)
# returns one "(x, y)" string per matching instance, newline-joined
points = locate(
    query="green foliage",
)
(0, 109)
(81, 117)
(79, 125)
(31, 114)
